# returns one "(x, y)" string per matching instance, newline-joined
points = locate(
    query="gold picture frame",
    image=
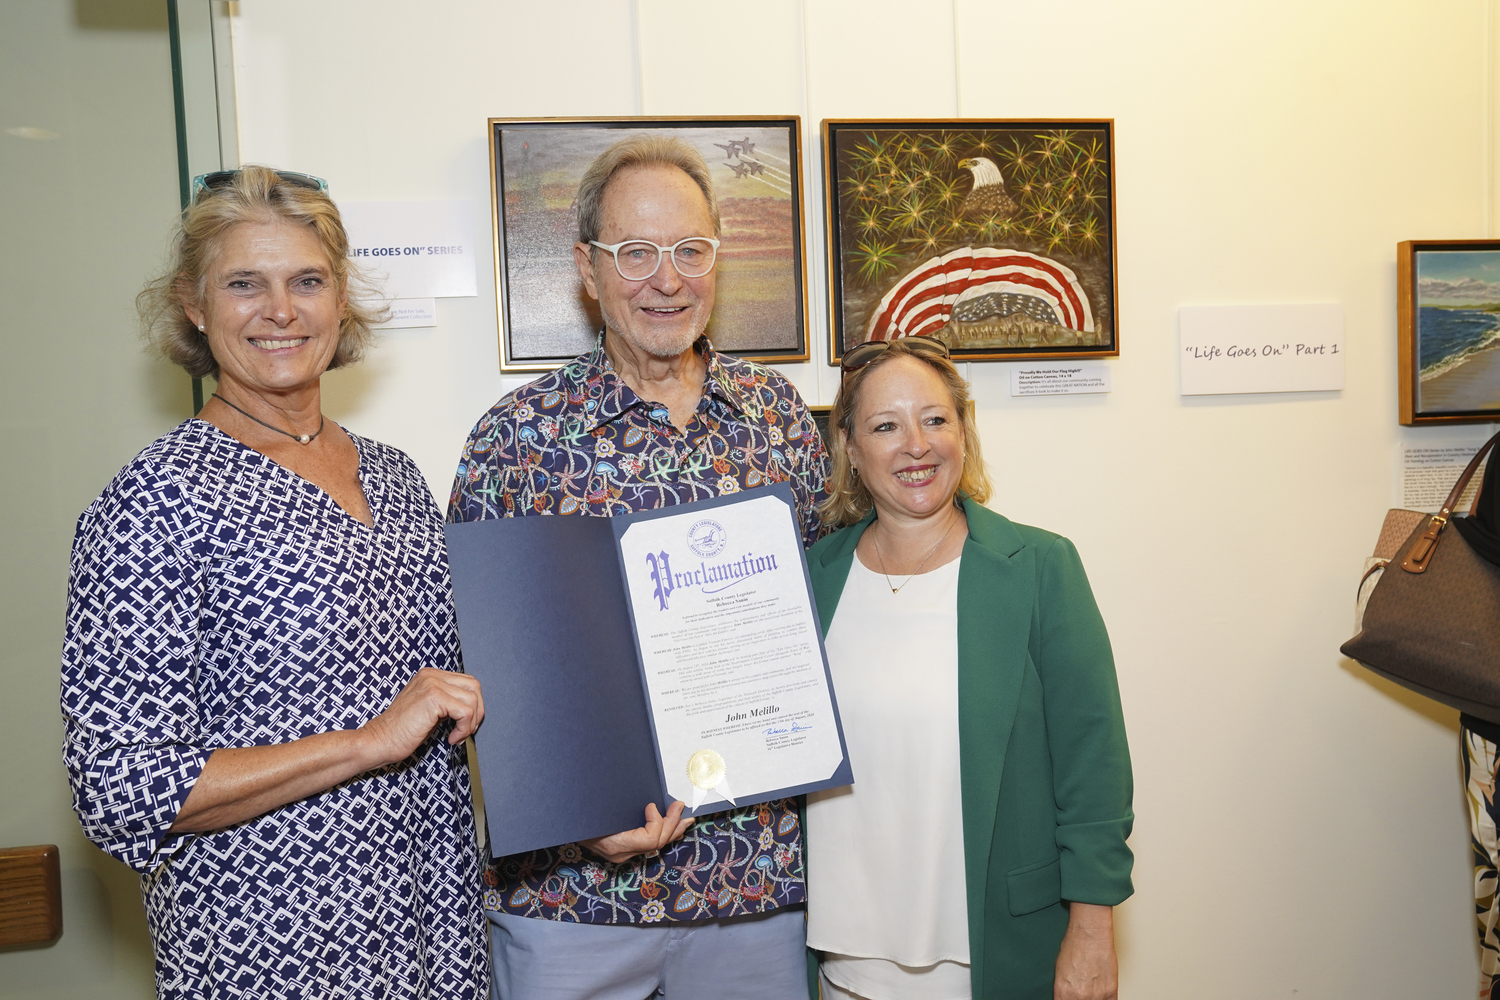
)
(544, 316)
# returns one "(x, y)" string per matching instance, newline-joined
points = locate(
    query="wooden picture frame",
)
(997, 236)
(545, 316)
(1448, 331)
(820, 415)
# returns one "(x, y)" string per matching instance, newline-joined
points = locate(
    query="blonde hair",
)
(849, 500)
(255, 194)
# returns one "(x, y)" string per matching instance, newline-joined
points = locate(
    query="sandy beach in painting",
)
(1473, 384)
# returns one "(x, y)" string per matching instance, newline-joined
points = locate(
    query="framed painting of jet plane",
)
(996, 237)
(546, 317)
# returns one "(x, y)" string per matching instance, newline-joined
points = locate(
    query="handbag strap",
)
(1421, 553)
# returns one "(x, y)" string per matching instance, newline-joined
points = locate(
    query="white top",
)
(885, 866)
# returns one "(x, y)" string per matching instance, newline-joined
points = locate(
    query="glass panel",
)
(89, 156)
(203, 91)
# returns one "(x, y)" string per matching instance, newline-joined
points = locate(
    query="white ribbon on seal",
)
(706, 770)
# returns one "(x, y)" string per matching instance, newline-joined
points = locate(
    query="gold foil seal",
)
(705, 769)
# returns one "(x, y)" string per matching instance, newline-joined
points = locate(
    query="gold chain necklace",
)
(895, 589)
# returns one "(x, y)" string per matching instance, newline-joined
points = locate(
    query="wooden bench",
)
(30, 896)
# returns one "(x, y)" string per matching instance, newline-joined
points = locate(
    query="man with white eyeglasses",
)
(653, 416)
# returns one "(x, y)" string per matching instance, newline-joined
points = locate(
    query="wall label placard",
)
(1427, 471)
(406, 314)
(1261, 348)
(414, 249)
(1058, 380)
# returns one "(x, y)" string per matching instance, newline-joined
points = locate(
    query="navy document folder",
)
(667, 654)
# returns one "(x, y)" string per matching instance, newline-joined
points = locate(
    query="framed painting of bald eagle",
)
(996, 237)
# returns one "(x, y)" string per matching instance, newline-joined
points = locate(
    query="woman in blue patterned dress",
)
(260, 686)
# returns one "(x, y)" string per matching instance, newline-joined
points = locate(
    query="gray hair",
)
(654, 149)
(256, 194)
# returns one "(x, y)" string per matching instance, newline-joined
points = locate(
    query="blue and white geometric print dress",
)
(219, 600)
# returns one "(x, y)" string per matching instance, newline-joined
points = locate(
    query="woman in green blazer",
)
(1043, 783)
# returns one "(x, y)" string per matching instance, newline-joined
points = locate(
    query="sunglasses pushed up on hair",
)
(857, 357)
(217, 179)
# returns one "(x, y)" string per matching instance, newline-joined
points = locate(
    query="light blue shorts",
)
(757, 957)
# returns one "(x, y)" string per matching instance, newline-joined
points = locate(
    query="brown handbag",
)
(1432, 623)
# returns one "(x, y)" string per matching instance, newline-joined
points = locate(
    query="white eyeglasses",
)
(637, 260)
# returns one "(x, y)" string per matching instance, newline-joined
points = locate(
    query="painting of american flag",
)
(996, 237)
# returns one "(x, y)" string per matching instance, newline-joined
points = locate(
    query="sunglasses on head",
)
(862, 355)
(217, 179)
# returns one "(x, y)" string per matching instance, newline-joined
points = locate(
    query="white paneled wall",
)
(1301, 829)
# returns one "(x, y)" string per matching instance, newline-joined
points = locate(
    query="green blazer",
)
(1044, 768)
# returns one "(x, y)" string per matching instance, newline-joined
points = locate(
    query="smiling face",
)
(660, 316)
(270, 309)
(907, 440)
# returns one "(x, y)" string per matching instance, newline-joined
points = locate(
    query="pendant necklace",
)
(299, 438)
(895, 589)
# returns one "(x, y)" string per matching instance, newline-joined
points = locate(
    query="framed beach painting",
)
(997, 237)
(545, 316)
(1448, 325)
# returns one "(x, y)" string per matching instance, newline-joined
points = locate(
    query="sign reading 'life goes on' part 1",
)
(1261, 348)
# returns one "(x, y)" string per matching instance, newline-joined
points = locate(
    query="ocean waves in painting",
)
(1449, 337)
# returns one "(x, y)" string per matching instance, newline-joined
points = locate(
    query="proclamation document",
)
(731, 654)
(652, 656)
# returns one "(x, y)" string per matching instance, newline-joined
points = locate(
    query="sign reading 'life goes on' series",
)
(414, 251)
(1261, 348)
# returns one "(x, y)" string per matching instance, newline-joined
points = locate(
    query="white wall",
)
(1301, 829)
